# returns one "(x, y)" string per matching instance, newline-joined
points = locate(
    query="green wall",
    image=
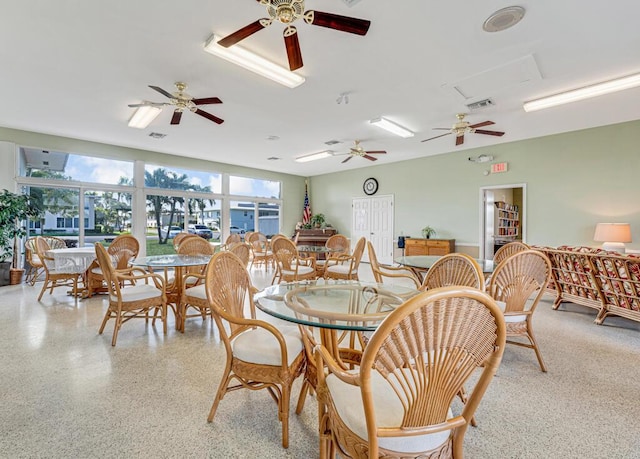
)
(292, 185)
(573, 181)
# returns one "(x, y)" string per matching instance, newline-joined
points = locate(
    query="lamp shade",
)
(612, 232)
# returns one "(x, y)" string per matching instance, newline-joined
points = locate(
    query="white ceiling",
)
(70, 67)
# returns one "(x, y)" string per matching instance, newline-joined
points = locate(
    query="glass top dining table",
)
(343, 305)
(424, 262)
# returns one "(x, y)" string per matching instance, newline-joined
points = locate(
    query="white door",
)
(373, 219)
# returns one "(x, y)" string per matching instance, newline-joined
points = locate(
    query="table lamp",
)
(613, 236)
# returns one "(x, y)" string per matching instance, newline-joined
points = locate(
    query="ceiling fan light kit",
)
(599, 89)
(144, 116)
(314, 156)
(392, 127)
(463, 127)
(254, 63)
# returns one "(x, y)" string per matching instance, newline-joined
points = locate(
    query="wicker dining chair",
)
(397, 403)
(233, 238)
(392, 272)
(454, 269)
(35, 266)
(517, 284)
(54, 277)
(178, 238)
(507, 250)
(262, 253)
(340, 245)
(123, 248)
(134, 301)
(193, 295)
(290, 266)
(259, 356)
(345, 266)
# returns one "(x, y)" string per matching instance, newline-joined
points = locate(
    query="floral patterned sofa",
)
(606, 281)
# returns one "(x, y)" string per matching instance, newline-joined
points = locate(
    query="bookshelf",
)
(508, 221)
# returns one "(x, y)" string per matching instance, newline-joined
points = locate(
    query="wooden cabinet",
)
(429, 246)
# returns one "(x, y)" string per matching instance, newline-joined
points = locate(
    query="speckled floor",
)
(67, 393)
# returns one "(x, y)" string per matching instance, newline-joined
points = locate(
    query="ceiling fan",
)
(357, 150)
(287, 12)
(183, 101)
(463, 127)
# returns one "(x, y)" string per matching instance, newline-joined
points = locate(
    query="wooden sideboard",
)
(429, 246)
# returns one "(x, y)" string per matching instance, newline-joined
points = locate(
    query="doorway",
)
(372, 218)
(503, 217)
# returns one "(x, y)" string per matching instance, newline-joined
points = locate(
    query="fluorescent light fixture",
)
(144, 116)
(392, 127)
(240, 56)
(314, 156)
(587, 92)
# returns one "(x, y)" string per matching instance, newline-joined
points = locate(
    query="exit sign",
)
(499, 167)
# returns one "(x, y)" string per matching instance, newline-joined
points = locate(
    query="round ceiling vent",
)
(503, 19)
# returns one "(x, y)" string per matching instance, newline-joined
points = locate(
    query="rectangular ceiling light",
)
(314, 156)
(392, 127)
(587, 92)
(240, 56)
(144, 116)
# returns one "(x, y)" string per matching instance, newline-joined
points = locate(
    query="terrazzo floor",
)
(67, 393)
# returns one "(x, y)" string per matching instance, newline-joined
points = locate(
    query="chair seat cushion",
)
(138, 292)
(388, 410)
(97, 271)
(301, 270)
(511, 318)
(197, 292)
(341, 269)
(260, 346)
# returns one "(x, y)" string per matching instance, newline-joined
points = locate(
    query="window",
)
(182, 179)
(245, 186)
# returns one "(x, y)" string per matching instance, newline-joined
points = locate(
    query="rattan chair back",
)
(425, 351)
(392, 272)
(34, 264)
(124, 248)
(232, 239)
(242, 250)
(454, 269)
(178, 238)
(339, 243)
(518, 283)
(507, 250)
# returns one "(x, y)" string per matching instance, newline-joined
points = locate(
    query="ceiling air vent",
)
(350, 3)
(157, 135)
(481, 104)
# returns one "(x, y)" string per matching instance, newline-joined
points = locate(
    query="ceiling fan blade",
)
(163, 92)
(436, 137)
(177, 116)
(484, 123)
(334, 21)
(206, 100)
(379, 152)
(484, 131)
(459, 140)
(293, 48)
(347, 158)
(370, 158)
(243, 33)
(208, 116)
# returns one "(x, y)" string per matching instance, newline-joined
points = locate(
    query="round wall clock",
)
(370, 186)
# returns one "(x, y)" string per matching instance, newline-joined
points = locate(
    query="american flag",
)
(306, 212)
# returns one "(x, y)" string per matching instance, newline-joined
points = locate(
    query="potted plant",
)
(14, 209)
(427, 232)
(318, 220)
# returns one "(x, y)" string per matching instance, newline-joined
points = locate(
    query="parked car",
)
(236, 230)
(204, 231)
(173, 230)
